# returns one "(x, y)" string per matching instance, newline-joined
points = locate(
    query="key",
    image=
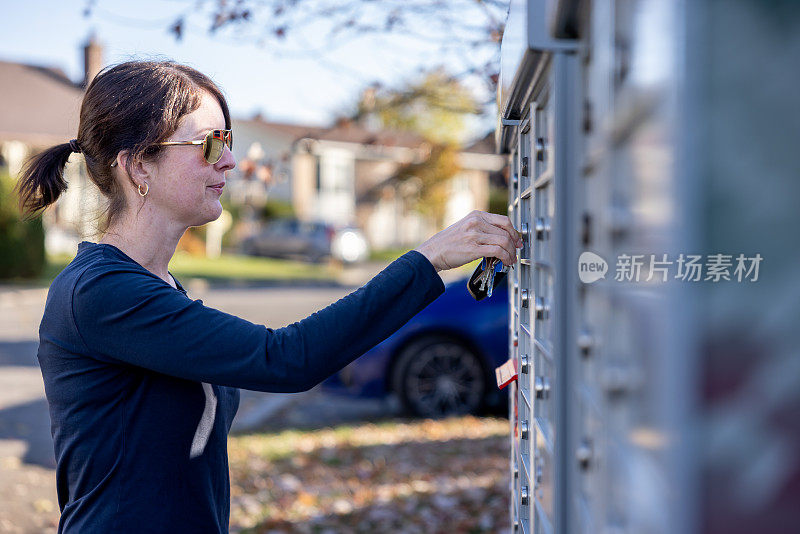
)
(487, 273)
(490, 279)
(496, 276)
(486, 277)
(477, 282)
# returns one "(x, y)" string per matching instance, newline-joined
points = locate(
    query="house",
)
(40, 107)
(345, 175)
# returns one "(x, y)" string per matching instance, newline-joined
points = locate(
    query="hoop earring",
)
(146, 189)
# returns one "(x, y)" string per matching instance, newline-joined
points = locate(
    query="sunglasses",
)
(213, 144)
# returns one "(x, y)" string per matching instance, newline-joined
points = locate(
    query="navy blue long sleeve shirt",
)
(141, 383)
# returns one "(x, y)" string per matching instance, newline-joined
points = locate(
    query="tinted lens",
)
(214, 146)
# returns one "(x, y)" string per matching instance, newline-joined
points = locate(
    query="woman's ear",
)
(139, 171)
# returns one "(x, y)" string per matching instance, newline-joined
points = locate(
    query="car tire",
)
(438, 376)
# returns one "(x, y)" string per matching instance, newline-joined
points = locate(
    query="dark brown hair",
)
(130, 106)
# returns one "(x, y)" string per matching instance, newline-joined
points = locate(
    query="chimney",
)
(92, 59)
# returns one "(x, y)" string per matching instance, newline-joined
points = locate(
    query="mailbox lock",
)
(542, 228)
(585, 342)
(542, 309)
(525, 230)
(524, 429)
(523, 495)
(541, 385)
(619, 380)
(584, 454)
(524, 366)
(524, 298)
(540, 146)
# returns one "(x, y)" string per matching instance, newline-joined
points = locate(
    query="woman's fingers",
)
(495, 236)
(490, 228)
(502, 221)
(498, 234)
(497, 251)
(479, 234)
(507, 250)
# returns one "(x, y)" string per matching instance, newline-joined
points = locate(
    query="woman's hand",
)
(478, 235)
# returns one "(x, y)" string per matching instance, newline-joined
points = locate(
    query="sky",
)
(283, 85)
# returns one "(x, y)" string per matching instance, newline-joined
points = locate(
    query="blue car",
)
(442, 361)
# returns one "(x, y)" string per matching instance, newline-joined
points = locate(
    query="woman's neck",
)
(147, 243)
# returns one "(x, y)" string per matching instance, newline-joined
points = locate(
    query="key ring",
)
(486, 277)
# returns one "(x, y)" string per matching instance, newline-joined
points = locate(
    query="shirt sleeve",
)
(130, 317)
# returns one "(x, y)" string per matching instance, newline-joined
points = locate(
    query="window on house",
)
(342, 176)
(335, 172)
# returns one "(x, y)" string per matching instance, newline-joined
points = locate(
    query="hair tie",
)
(73, 144)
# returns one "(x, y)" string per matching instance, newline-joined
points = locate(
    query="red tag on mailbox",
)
(506, 373)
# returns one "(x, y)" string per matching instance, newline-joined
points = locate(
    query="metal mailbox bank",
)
(653, 149)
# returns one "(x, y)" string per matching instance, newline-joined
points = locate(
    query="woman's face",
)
(182, 178)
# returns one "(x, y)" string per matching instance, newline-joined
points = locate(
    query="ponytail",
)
(41, 181)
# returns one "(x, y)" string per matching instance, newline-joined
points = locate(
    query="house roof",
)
(342, 132)
(350, 132)
(292, 131)
(40, 105)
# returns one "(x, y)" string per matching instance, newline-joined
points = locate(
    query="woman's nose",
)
(227, 161)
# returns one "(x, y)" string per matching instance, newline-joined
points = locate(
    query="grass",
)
(246, 268)
(226, 267)
(232, 267)
(388, 255)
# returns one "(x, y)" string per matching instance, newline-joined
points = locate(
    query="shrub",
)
(277, 209)
(21, 241)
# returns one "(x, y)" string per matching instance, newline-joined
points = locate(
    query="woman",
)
(140, 379)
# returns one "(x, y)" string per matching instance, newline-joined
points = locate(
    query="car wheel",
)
(438, 376)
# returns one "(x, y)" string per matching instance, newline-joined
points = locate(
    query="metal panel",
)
(541, 163)
(598, 169)
(646, 139)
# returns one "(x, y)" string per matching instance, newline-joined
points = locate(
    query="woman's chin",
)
(212, 213)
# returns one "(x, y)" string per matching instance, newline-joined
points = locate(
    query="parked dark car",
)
(442, 361)
(306, 241)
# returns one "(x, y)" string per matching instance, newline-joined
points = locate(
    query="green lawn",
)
(233, 267)
(226, 267)
(388, 255)
(247, 268)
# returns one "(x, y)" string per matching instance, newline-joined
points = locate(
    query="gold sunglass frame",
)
(226, 136)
